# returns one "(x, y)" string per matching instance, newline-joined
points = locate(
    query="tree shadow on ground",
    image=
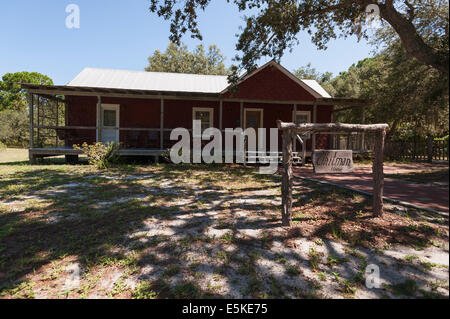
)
(179, 227)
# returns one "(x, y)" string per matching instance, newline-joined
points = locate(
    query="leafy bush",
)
(99, 154)
(2, 146)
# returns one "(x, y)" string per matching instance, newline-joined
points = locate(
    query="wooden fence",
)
(424, 149)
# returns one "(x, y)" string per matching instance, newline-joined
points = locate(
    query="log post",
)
(363, 121)
(378, 175)
(287, 179)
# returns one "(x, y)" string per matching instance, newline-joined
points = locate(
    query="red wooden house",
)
(139, 109)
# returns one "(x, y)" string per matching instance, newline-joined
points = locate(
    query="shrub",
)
(2, 146)
(14, 128)
(99, 154)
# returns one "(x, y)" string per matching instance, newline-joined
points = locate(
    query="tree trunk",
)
(412, 42)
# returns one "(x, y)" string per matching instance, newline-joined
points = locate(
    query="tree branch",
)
(411, 40)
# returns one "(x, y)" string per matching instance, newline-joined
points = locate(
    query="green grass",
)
(144, 291)
(407, 288)
(292, 270)
(11, 155)
(314, 258)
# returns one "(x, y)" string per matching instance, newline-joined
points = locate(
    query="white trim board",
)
(261, 119)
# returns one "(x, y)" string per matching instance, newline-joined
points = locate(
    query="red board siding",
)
(82, 112)
(271, 84)
(145, 113)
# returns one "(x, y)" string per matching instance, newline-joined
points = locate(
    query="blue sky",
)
(122, 34)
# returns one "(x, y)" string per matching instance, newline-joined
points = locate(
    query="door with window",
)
(254, 118)
(206, 117)
(300, 118)
(110, 123)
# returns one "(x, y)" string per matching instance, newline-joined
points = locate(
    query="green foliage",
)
(314, 258)
(99, 154)
(409, 95)
(178, 59)
(272, 27)
(14, 122)
(11, 94)
(2, 146)
(14, 127)
(309, 73)
(412, 98)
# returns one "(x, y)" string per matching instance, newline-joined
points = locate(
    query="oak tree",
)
(274, 25)
(178, 59)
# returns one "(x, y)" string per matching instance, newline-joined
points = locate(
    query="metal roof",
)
(149, 81)
(313, 84)
(163, 81)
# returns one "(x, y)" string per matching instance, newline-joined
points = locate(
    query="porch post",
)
(294, 116)
(39, 122)
(314, 121)
(331, 136)
(241, 114)
(220, 114)
(99, 119)
(31, 107)
(241, 123)
(161, 129)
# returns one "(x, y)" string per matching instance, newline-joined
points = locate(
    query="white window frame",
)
(204, 109)
(294, 120)
(261, 119)
(250, 109)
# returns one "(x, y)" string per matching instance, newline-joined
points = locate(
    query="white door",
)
(300, 118)
(110, 123)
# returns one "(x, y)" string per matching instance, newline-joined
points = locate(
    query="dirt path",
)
(421, 195)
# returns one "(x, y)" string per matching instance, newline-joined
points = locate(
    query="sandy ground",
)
(226, 242)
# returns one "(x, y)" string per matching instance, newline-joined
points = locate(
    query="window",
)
(109, 118)
(205, 115)
(303, 117)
